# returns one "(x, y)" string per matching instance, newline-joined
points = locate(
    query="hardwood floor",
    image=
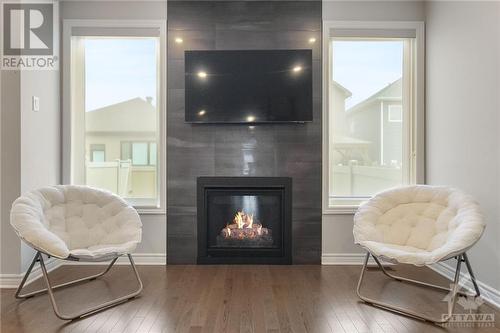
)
(234, 299)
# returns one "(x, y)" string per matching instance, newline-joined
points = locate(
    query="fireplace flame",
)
(243, 220)
(249, 221)
(244, 228)
(238, 219)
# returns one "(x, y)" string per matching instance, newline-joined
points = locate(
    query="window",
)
(372, 110)
(116, 106)
(97, 153)
(139, 153)
(395, 113)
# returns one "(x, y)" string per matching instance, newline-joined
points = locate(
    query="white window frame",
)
(69, 144)
(390, 110)
(415, 141)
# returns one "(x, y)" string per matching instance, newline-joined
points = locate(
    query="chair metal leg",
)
(454, 292)
(420, 283)
(50, 289)
(25, 278)
(471, 274)
(37, 257)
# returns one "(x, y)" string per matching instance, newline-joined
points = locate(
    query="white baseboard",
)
(139, 259)
(9, 281)
(345, 259)
(489, 294)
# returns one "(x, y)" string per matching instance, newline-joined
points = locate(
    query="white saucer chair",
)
(418, 225)
(76, 223)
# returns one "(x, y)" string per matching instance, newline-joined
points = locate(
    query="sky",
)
(365, 67)
(119, 69)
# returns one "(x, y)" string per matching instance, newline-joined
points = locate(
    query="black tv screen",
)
(248, 86)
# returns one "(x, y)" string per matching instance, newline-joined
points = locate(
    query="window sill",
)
(340, 210)
(150, 211)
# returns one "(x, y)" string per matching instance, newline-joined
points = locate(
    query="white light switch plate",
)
(35, 103)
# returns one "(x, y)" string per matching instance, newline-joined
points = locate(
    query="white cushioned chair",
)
(418, 225)
(76, 223)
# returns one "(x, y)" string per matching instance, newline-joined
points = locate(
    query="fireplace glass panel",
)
(244, 219)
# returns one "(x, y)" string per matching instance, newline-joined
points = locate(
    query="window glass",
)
(366, 136)
(119, 76)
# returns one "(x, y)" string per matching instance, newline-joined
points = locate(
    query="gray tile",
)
(299, 40)
(244, 40)
(309, 229)
(182, 225)
(175, 74)
(317, 81)
(181, 193)
(237, 150)
(245, 16)
(193, 15)
(234, 160)
(181, 250)
(298, 15)
(298, 152)
(190, 161)
(191, 40)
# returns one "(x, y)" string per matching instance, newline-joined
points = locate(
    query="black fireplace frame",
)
(282, 255)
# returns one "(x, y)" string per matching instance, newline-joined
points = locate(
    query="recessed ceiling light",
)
(179, 40)
(202, 74)
(297, 69)
(250, 119)
(202, 112)
(312, 40)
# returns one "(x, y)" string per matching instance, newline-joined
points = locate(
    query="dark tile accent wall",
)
(292, 150)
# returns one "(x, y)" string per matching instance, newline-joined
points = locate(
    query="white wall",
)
(337, 229)
(10, 246)
(463, 108)
(40, 137)
(373, 10)
(154, 237)
(30, 150)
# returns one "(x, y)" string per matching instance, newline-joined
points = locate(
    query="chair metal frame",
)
(50, 288)
(455, 290)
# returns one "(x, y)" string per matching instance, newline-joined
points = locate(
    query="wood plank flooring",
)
(234, 299)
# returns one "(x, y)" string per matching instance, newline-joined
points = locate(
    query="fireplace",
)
(244, 220)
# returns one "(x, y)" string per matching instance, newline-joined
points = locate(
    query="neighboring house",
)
(366, 141)
(346, 147)
(121, 149)
(383, 108)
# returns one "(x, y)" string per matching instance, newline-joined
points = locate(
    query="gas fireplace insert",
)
(244, 220)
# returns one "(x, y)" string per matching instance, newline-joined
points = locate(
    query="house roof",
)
(343, 89)
(134, 115)
(391, 92)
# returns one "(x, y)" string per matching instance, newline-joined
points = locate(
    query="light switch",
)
(35, 103)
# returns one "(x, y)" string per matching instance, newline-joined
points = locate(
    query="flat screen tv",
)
(257, 86)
